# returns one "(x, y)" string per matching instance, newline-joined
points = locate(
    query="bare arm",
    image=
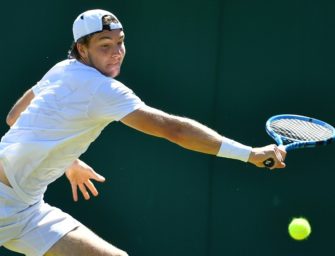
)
(192, 135)
(180, 130)
(19, 107)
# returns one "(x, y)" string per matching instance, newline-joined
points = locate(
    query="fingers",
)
(265, 155)
(80, 176)
(96, 176)
(84, 191)
(92, 188)
(74, 192)
(84, 188)
(89, 185)
(280, 154)
(282, 151)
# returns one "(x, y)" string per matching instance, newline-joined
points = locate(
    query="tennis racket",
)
(295, 131)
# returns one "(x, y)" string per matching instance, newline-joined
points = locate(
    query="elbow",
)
(10, 120)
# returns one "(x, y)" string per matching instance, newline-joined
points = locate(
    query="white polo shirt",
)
(73, 103)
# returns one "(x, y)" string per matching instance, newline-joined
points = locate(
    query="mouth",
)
(114, 64)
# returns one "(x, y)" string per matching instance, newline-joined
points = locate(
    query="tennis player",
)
(55, 121)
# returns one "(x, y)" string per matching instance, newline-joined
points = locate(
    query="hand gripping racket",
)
(295, 131)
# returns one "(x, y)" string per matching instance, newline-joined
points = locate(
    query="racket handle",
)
(269, 162)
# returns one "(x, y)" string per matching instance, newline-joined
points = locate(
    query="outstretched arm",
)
(192, 135)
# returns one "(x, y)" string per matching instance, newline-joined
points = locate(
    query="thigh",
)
(39, 227)
(82, 241)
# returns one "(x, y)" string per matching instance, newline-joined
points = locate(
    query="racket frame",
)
(279, 139)
(298, 144)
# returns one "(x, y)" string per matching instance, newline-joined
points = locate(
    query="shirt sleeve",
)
(113, 101)
(39, 86)
(36, 88)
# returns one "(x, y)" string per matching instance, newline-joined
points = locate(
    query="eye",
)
(121, 41)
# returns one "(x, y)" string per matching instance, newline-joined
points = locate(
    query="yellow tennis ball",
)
(299, 228)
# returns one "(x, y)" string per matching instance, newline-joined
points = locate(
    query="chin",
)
(113, 73)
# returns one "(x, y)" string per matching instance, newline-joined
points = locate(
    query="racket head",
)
(297, 131)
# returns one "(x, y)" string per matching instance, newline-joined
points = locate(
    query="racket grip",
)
(269, 162)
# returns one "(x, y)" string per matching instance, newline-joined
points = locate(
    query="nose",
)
(118, 51)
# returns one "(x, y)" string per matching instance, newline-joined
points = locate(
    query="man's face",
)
(105, 52)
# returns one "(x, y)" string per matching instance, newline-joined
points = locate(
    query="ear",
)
(82, 49)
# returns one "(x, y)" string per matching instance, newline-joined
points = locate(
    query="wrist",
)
(234, 150)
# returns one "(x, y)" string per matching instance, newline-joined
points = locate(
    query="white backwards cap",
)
(91, 21)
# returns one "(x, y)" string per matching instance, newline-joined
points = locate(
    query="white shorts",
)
(31, 230)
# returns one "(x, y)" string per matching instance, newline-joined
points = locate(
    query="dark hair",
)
(73, 53)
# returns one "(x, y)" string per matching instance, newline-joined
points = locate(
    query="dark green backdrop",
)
(230, 64)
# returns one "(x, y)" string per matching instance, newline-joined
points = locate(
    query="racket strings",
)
(299, 130)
